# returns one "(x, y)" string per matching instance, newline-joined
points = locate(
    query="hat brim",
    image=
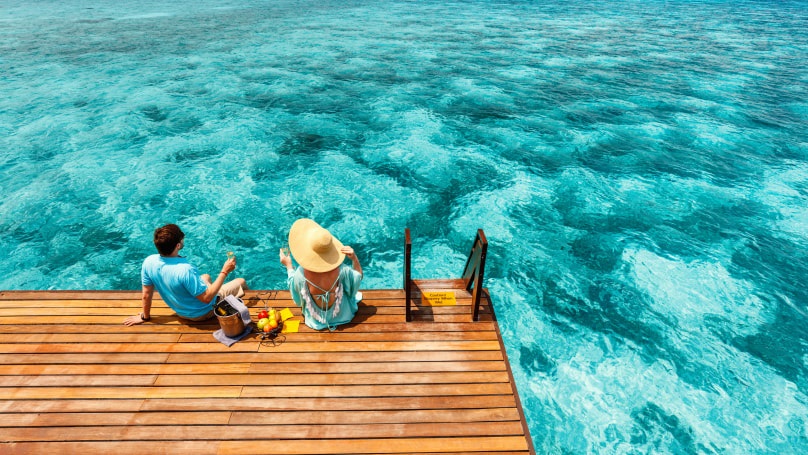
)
(300, 245)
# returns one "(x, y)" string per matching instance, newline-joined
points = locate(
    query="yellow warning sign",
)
(438, 298)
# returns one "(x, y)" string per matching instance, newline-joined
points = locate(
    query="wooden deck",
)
(73, 379)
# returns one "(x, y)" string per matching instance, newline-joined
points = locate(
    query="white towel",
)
(242, 309)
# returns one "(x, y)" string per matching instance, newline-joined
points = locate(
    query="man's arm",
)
(147, 295)
(213, 289)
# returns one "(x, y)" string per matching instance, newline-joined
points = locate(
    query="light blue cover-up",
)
(343, 310)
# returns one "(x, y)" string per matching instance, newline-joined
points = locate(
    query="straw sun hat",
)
(313, 247)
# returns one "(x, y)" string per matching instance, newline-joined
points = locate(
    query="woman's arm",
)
(348, 251)
(286, 261)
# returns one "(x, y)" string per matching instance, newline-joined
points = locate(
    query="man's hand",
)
(229, 265)
(133, 320)
(148, 293)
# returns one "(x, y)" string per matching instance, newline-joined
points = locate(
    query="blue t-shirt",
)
(178, 283)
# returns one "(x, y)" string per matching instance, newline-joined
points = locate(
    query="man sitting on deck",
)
(179, 283)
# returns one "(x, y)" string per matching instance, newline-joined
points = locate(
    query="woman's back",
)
(322, 287)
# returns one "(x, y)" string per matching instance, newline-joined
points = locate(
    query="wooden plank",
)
(381, 346)
(250, 418)
(41, 338)
(82, 419)
(88, 380)
(231, 368)
(386, 445)
(209, 404)
(397, 390)
(175, 326)
(455, 284)
(110, 447)
(309, 357)
(457, 416)
(47, 306)
(73, 405)
(360, 336)
(58, 294)
(128, 369)
(250, 295)
(375, 367)
(509, 452)
(280, 378)
(255, 432)
(51, 308)
(246, 357)
(457, 447)
(288, 346)
(157, 348)
(80, 392)
(167, 319)
(99, 358)
(170, 328)
(267, 379)
(329, 403)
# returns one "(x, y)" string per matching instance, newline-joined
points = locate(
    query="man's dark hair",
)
(167, 238)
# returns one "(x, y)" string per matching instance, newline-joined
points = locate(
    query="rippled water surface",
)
(640, 169)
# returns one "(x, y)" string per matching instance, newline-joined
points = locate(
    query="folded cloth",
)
(244, 312)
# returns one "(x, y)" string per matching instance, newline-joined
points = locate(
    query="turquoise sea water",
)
(640, 169)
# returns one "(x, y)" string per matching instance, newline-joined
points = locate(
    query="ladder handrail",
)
(474, 271)
(407, 271)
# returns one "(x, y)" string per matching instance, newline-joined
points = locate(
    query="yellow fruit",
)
(262, 323)
(273, 323)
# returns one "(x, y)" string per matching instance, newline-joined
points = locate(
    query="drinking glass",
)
(264, 298)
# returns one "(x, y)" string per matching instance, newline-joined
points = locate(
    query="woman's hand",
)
(349, 252)
(286, 259)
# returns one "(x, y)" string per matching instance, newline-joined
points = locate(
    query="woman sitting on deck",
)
(324, 287)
